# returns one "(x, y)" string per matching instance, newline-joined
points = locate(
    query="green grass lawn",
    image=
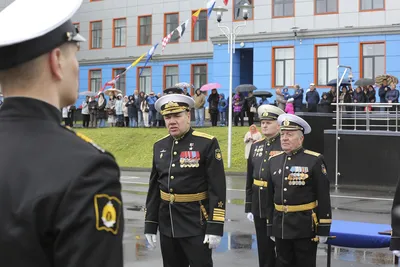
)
(134, 147)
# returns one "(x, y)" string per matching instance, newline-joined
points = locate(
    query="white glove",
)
(212, 240)
(396, 253)
(152, 239)
(322, 239)
(250, 217)
(272, 238)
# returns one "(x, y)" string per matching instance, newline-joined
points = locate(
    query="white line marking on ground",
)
(332, 196)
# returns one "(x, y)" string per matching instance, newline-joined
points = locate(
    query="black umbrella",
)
(334, 83)
(245, 88)
(173, 90)
(263, 93)
(365, 82)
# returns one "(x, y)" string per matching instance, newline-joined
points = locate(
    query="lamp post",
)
(231, 34)
(339, 81)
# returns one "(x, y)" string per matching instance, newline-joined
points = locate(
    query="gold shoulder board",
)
(312, 153)
(162, 138)
(259, 140)
(277, 154)
(196, 133)
(86, 139)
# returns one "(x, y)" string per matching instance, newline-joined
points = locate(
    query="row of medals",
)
(259, 151)
(297, 177)
(189, 163)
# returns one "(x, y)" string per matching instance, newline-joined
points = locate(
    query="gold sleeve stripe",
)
(218, 214)
(216, 209)
(325, 221)
(219, 218)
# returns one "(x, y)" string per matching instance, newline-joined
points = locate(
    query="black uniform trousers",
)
(296, 252)
(182, 252)
(266, 247)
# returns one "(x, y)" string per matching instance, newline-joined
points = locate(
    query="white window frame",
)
(171, 79)
(95, 82)
(145, 79)
(331, 62)
(373, 57)
(286, 63)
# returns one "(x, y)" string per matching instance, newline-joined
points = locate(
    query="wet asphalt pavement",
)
(238, 246)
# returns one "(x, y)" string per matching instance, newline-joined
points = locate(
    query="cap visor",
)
(78, 38)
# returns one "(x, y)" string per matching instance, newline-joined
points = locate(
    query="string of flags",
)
(181, 29)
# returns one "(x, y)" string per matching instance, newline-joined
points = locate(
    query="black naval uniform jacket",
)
(190, 165)
(260, 152)
(60, 196)
(298, 178)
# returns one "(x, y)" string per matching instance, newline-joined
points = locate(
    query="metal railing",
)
(358, 116)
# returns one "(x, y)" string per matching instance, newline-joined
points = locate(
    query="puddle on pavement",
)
(134, 241)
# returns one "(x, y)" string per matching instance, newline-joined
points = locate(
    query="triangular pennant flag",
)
(165, 41)
(181, 29)
(136, 61)
(150, 54)
(226, 2)
(210, 7)
(195, 16)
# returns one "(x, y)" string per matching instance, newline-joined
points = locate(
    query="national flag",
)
(210, 7)
(226, 2)
(166, 40)
(195, 16)
(150, 54)
(181, 29)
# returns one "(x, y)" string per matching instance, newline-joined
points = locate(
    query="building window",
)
(171, 23)
(95, 80)
(199, 76)
(200, 29)
(373, 60)
(144, 80)
(372, 4)
(119, 32)
(145, 30)
(171, 76)
(121, 82)
(326, 6)
(327, 61)
(283, 8)
(238, 12)
(96, 33)
(284, 66)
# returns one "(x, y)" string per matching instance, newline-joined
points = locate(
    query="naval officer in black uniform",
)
(60, 196)
(256, 185)
(298, 199)
(187, 189)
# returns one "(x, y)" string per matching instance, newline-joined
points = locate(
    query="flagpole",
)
(231, 44)
(231, 33)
